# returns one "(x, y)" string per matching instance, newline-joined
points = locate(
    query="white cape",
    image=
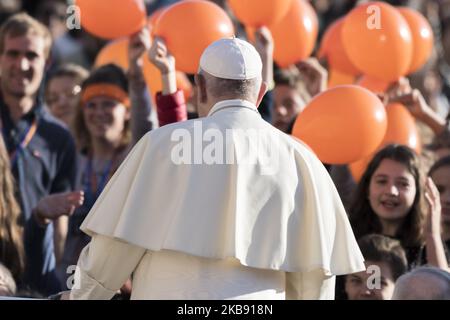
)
(292, 220)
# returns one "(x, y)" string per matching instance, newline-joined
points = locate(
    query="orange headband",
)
(105, 89)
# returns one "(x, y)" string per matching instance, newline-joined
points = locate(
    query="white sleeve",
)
(103, 267)
(313, 285)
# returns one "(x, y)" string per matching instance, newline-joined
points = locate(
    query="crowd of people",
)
(67, 127)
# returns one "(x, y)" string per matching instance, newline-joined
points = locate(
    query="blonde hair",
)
(11, 241)
(21, 24)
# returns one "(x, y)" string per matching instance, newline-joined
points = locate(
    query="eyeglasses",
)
(55, 97)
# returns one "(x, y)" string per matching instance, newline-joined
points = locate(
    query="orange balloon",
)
(401, 129)
(422, 35)
(303, 144)
(117, 52)
(184, 84)
(378, 40)
(342, 124)
(333, 50)
(295, 35)
(250, 32)
(114, 52)
(257, 13)
(337, 78)
(153, 18)
(111, 19)
(188, 27)
(373, 84)
(358, 168)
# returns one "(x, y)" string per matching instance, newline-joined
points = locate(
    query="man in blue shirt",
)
(42, 151)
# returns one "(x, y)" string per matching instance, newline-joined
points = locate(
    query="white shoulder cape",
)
(291, 220)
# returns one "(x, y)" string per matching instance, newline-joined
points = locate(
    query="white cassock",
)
(263, 225)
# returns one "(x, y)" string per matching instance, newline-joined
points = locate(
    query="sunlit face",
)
(62, 98)
(105, 118)
(441, 178)
(22, 65)
(392, 191)
(288, 103)
(375, 283)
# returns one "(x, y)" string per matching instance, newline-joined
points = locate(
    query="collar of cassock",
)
(236, 103)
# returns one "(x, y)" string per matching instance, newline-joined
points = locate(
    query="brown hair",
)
(443, 162)
(21, 24)
(70, 70)
(11, 240)
(291, 77)
(379, 248)
(362, 217)
(78, 73)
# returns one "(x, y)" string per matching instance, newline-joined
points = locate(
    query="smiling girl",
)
(394, 200)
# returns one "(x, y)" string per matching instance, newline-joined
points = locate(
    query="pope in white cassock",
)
(222, 207)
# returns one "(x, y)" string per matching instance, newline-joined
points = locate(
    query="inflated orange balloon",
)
(332, 49)
(358, 168)
(111, 19)
(250, 32)
(153, 18)
(295, 35)
(184, 84)
(258, 13)
(401, 129)
(422, 36)
(337, 78)
(342, 124)
(378, 40)
(114, 52)
(188, 27)
(303, 144)
(117, 52)
(373, 84)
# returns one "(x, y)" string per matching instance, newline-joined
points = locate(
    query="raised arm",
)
(170, 102)
(419, 108)
(141, 102)
(435, 248)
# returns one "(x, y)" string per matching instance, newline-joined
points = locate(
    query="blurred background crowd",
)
(73, 106)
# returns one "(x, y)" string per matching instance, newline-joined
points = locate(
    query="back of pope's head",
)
(231, 58)
(231, 68)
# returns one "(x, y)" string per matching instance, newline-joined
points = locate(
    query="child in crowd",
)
(393, 199)
(385, 261)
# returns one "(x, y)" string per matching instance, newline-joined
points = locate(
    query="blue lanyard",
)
(91, 188)
(24, 140)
